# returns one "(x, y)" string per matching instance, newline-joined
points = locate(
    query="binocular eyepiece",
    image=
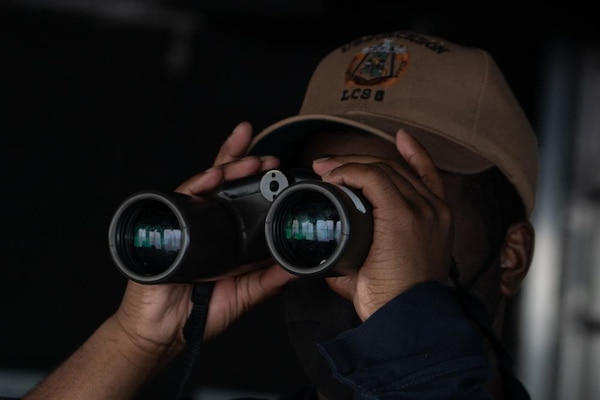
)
(309, 227)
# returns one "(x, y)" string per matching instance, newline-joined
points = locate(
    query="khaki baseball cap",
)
(453, 99)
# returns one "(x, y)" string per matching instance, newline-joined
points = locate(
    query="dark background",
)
(97, 104)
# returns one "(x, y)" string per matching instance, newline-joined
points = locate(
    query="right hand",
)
(413, 229)
(153, 316)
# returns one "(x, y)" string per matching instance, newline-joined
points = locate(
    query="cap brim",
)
(285, 137)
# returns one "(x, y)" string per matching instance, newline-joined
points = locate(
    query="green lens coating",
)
(157, 236)
(312, 229)
(154, 237)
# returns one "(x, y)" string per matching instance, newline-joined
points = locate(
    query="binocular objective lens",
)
(152, 238)
(312, 229)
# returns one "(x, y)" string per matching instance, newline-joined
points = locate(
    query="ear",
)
(516, 256)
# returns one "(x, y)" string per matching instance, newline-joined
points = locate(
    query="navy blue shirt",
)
(421, 345)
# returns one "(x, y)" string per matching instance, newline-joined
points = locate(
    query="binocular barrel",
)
(307, 226)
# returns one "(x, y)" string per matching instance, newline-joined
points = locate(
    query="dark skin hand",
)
(156, 314)
(409, 208)
(469, 239)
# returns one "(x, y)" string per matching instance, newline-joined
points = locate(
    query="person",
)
(432, 135)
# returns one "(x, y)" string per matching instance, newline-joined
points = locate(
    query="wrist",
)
(110, 355)
(140, 350)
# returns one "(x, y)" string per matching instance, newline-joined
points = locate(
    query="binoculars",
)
(309, 227)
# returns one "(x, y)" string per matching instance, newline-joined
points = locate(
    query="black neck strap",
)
(193, 330)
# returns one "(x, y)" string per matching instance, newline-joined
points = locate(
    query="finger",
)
(414, 164)
(323, 166)
(344, 286)
(420, 161)
(236, 145)
(398, 172)
(210, 179)
(248, 166)
(408, 185)
(374, 182)
(203, 182)
(234, 297)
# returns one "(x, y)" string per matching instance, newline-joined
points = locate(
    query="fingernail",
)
(238, 127)
(322, 159)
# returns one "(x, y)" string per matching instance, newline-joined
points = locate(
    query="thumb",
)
(419, 160)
